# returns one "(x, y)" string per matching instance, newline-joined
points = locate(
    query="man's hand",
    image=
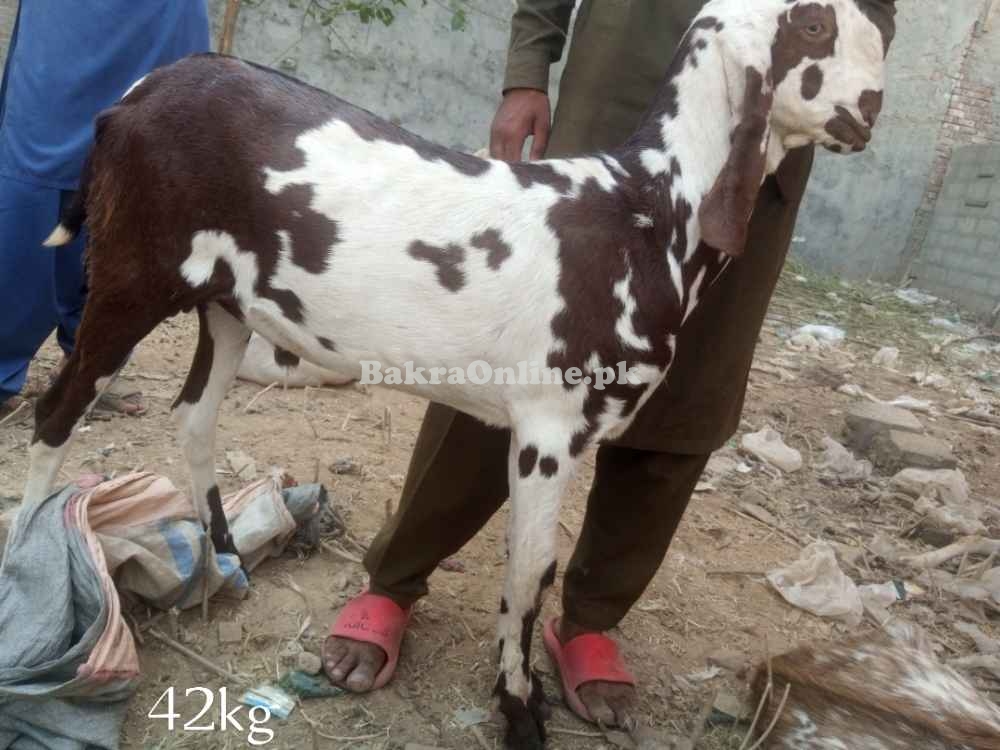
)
(522, 112)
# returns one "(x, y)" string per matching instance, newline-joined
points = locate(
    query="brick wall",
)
(954, 243)
(968, 120)
(960, 258)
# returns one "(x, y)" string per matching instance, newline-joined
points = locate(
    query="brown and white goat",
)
(270, 206)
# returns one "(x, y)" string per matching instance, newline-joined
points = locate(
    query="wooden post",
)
(229, 27)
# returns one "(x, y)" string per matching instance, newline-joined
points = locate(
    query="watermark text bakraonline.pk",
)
(481, 372)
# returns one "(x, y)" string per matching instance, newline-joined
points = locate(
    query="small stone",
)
(728, 709)
(899, 450)
(417, 746)
(308, 662)
(230, 632)
(866, 421)
(452, 565)
(730, 660)
(345, 465)
(289, 653)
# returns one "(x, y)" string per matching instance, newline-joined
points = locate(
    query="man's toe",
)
(344, 668)
(596, 704)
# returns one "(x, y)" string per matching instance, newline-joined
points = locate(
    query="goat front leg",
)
(538, 474)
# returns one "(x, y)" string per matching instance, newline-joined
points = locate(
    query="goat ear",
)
(724, 214)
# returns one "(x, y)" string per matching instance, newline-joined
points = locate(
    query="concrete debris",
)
(867, 421)
(768, 446)
(898, 450)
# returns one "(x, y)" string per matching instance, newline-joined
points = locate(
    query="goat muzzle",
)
(848, 130)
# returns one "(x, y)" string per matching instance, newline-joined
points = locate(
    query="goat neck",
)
(706, 143)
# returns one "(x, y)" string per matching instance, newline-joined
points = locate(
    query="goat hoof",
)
(224, 545)
(525, 722)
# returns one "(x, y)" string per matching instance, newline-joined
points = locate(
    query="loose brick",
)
(867, 421)
(901, 450)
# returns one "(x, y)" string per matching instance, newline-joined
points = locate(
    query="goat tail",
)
(73, 212)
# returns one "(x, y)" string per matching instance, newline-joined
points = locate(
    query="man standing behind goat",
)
(643, 480)
(67, 62)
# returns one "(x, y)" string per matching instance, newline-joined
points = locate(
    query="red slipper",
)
(370, 618)
(590, 657)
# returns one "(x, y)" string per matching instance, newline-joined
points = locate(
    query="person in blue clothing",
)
(66, 62)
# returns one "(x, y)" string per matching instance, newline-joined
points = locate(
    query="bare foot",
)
(612, 704)
(352, 665)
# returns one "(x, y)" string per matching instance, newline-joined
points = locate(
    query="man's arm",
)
(537, 37)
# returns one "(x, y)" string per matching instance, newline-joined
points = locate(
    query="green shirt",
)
(617, 61)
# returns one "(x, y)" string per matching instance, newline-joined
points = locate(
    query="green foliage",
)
(325, 12)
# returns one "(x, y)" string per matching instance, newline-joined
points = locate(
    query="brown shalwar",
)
(644, 479)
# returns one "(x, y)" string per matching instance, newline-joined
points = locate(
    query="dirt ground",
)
(710, 599)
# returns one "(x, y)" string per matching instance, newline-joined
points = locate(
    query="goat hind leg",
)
(538, 476)
(222, 341)
(97, 356)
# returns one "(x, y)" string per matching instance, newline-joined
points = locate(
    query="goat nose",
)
(870, 104)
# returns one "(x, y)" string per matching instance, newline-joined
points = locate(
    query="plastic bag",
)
(816, 584)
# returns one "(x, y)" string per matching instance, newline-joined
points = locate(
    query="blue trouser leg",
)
(40, 288)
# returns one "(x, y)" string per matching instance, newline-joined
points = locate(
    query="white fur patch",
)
(59, 236)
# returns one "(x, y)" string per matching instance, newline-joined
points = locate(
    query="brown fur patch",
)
(493, 243)
(812, 82)
(724, 214)
(448, 260)
(793, 42)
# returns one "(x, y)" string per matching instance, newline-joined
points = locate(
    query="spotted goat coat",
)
(882, 693)
(269, 206)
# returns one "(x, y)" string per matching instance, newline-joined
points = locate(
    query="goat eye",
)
(815, 29)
